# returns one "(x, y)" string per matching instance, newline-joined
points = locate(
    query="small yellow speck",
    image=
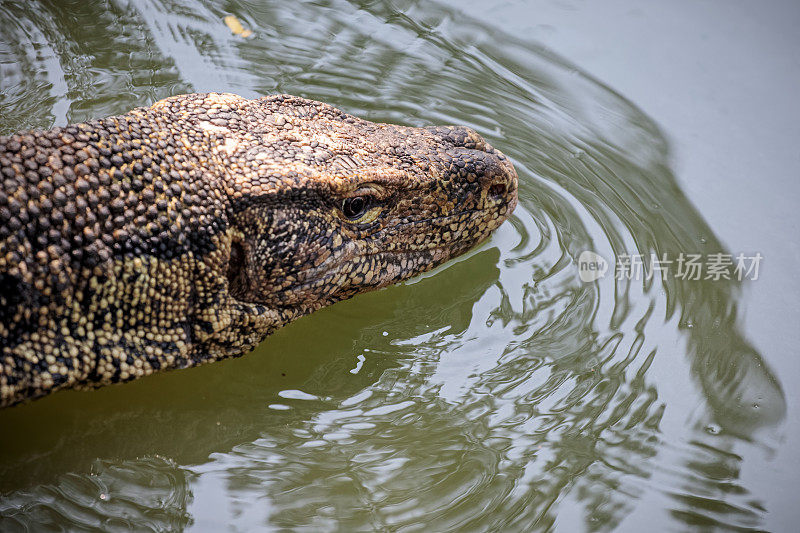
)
(236, 27)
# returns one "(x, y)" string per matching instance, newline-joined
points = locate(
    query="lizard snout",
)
(482, 177)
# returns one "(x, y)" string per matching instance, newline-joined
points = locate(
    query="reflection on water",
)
(497, 392)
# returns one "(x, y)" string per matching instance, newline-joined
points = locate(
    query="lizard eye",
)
(364, 206)
(355, 207)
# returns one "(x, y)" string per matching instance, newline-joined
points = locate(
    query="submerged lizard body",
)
(188, 231)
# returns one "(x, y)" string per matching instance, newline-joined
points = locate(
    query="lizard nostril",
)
(497, 190)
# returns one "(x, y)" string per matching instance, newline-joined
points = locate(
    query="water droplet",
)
(713, 429)
(703, 240)
(385, 333)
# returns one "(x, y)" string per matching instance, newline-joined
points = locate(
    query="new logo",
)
(591, 266)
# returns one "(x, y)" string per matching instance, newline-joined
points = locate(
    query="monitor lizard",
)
(188, 231)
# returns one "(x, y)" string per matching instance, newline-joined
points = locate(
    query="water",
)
(498, 392)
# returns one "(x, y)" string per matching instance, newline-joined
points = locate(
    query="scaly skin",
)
(188, 231)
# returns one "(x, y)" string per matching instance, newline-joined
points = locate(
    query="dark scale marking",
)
(15, 297)
(188, 231)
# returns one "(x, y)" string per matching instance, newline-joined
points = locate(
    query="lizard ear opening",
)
(237, 274)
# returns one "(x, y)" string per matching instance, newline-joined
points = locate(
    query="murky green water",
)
(500, 392)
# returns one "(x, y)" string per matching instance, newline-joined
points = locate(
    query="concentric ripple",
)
(498, 392)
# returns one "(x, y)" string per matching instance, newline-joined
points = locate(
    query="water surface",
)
(498, 392)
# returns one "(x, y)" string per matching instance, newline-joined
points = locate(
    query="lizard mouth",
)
(355, 269)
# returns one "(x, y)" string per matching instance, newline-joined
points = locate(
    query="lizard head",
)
(327, 205)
